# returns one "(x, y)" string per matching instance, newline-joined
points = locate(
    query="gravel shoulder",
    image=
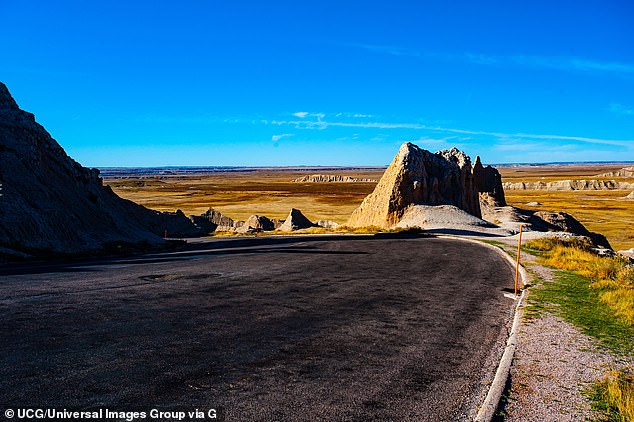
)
(554, 366)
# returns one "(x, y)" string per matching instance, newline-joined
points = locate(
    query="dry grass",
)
(605, 212)
(615, 396)
(242, 194)
(612, 277)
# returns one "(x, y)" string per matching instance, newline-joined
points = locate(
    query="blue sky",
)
(323, 83)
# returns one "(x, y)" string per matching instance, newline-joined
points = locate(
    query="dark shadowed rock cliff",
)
(50, 203)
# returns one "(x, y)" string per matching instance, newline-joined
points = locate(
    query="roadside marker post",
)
(517, 265)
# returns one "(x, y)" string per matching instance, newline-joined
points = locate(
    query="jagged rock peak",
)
(6, 100)
(419, 177)
(295, 221)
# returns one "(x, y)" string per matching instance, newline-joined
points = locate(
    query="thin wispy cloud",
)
(621, 109)
(387, 49)
(276, 138)
(321, 124)
(571, 63)
(563, 63)
(304, 114)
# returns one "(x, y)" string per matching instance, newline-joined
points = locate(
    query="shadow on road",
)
(202, 248)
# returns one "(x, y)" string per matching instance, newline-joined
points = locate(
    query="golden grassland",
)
(239, 195)
(601, 211)
(270, 192)
(612, 277)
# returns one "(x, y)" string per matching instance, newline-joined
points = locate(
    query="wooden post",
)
(517, 265)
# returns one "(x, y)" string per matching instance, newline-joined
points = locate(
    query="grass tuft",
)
(614, 396)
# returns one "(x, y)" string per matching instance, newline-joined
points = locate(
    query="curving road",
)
(290, 329)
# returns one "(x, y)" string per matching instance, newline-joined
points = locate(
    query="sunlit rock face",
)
(420, 177)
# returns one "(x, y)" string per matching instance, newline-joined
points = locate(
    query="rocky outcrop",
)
(564, 185)
(564, 222)
(511, 218)
(330, 178)
(327, 224)
(295, 221)
(624, 172)
(256, 224)
(488, 183)
(50, 203)
(210, 220)
(419, 177)
(630, 196)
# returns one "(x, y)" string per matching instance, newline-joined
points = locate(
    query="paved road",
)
(321, 328)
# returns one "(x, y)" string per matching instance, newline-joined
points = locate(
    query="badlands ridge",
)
(50, 204)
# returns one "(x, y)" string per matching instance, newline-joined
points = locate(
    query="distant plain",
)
(271, 192)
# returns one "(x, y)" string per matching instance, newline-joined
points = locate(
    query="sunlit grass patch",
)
(611, 277)
(614, 396)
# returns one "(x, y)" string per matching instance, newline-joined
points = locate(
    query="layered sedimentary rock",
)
(330, 178)
(210, 220)
(624, 172)
(50, 203)
(419, 177)
(295, 221)
(256, 223)
(488, 183)
(563, 185)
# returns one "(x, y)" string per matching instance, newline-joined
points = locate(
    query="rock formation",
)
(488, 183)
(630, 196)
(624, 172)
(255, 224)
(419, 177)
(50, 203)
(563, 185)
(327, 224)
(210, 220)
(295, 221)
(330, 178)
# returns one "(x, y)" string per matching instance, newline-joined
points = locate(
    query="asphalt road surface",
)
(346, 328)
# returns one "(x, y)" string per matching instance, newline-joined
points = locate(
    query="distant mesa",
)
(624, 172)
(580, 184)
(330, 178)
(51, 204)
(566, 185)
